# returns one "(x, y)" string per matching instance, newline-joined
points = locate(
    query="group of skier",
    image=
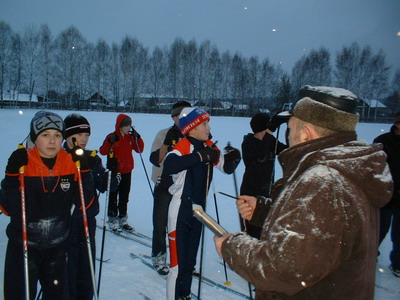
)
(314, 233)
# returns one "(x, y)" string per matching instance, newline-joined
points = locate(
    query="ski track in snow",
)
(124, 278)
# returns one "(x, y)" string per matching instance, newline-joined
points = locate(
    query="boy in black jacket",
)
(259, 150)
(390, 213)
(77, 130)
(51, 189)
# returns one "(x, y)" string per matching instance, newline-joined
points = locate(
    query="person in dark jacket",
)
(77, 132)
(258, 152)
(51, 190)
(190, 163)
(390, 213)
(320, 237)
(120, 144)
(163, 142)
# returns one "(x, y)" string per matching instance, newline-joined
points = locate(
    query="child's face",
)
(125, 130)
(201, 132)
(49, 143)
(81, 138)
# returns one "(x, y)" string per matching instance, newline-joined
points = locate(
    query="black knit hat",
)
(178, 106)
(327, 107)
(259, 122)
(76, 123)
(44, 120)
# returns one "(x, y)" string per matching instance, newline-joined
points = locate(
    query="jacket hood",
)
(357, 161)
(120, 117)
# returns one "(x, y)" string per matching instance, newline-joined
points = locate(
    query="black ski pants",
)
(79, 275)
(48, 266)
(162, 198)
(119, 199)
(390, 219)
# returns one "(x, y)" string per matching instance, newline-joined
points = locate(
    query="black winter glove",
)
(114, 138)
(112, 164)
(173, 136)
(17, 159)
(209, 155)
(134, 133)
(232, 154)
(231, 159)
(277, 121)
(87, 160)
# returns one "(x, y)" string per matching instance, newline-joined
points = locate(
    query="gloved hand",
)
(134, 133)
(209, 155)
(112, 164)
(231, 159)
(173, 136)
(232, 154)
(87, 160)
(277, 121)
(114, 138)
(17, 159)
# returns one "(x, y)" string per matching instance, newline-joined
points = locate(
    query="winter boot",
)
(123, 223)
(160, 265)
(113, 224)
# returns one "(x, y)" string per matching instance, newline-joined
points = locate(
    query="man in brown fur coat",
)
(320, 235)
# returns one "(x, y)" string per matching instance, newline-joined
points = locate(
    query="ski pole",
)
(24, 230)
(227, 282)
(244, 223)
(86, 227)
(273, 165)
(230, 196)
(104, 227)
(144, 167)
(203, 233)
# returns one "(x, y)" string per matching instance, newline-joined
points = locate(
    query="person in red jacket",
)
(118, 145)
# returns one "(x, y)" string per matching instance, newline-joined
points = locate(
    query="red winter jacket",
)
(123, 147)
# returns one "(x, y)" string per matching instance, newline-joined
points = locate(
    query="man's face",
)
(295, 132)
(49, 143)
(201, 132)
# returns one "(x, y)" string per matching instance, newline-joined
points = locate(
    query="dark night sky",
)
(282, 30)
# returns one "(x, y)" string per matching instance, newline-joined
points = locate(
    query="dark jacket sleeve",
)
(175, 163)
(154, 157)
(261, 211)
(10, 196)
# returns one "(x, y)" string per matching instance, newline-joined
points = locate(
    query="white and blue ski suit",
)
(190, 179)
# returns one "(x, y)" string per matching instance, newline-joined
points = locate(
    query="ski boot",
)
(113, 224)
(159, 264)
(123, 223)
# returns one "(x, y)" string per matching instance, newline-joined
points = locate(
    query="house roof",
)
(373, 103)
(19, 97)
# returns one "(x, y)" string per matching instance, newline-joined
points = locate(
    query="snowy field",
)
(124, 278)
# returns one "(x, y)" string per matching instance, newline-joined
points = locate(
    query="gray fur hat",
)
(327, 107)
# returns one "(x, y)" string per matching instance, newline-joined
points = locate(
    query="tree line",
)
(68, 68)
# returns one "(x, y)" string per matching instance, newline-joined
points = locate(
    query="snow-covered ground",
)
(124, 278)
